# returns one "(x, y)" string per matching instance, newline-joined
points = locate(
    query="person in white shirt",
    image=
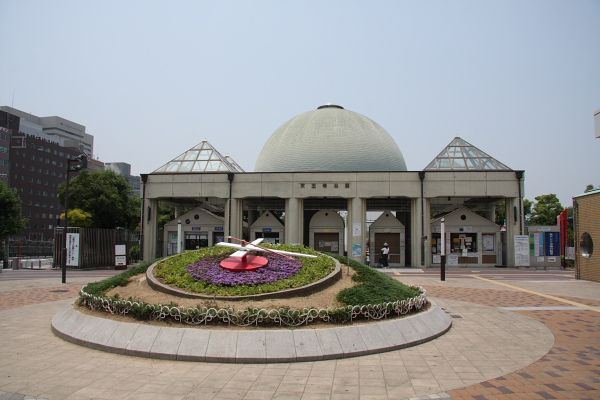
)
(384, 255)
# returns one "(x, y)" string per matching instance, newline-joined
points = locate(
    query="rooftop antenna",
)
(12, 104)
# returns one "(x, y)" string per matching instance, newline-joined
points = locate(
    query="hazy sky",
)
(519, 79)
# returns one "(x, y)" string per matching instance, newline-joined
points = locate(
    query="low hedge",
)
(374, 287)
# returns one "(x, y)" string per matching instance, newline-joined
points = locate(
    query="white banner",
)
(72, 249)
(521, 250)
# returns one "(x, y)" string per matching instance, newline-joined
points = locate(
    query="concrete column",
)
(294, 221)
(492, 212)
(513, 221)
(150, 228)
(427, 231)
(416, 233)
(178, 211)
(356, 229)
(236, 218)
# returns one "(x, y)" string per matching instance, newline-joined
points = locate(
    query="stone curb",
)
(322, 283)
(249, 345)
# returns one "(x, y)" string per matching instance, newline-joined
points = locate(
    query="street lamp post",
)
(73, 165)
(443, 250)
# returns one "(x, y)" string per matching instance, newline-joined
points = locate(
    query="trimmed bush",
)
(374, 287)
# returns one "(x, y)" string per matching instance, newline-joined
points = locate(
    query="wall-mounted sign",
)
(488, 241)
(267, 229)
(218, 229)
(356, 250)
(521, 243)
(356, 229)
(72, 249)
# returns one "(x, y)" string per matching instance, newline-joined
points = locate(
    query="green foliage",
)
(101, 287)
(545, 210)
(166, 213)
(134, 252)
(589, 188)
(107, 196)
(374, 287)
(11, 221)
(78, 217)
(527, 206)
(173, 271)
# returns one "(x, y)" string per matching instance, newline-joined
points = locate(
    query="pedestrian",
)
(384, 255)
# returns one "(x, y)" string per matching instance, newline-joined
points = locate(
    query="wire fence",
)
(96, 248)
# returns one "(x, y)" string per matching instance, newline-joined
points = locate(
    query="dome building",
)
(335, 161)
(347, 141)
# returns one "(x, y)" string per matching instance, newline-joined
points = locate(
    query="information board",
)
(72, 249)
(521, 250)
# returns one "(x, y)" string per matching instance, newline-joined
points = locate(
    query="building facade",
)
(33, 160)
(586, 211)
(335, 161)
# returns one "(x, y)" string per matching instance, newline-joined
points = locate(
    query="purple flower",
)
(278, 268)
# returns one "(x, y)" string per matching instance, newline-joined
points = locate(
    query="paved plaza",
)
(516, 334)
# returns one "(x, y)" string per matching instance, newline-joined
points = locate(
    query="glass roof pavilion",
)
(461, 155)
(201, 158)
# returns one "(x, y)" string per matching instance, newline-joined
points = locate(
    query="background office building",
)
(33, 160)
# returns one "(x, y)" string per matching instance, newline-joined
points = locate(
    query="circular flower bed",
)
(279, 267)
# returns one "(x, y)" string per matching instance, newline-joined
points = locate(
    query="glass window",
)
(172, 166)
(186, 166)
(204, 154)
(199, 166)
(463, 241)
(191, 155)
(587, 245)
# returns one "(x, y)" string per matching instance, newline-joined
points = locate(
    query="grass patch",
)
(374, 287)
(173, 271)
(101, 287)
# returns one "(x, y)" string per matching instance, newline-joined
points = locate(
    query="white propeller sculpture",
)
(242, 261)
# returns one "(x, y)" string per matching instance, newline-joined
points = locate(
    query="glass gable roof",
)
(201, 158)
(463, 156)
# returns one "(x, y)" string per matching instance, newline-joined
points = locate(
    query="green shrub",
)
(374, 287)
(101, 287)
(173, 271)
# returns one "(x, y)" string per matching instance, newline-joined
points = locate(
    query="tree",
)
(106, 196)
(527, 204)
(501, 211)
(11, 220)
(589, 188)
(78, 217)
(545, 210)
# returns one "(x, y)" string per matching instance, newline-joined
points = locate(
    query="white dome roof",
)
(330, 138)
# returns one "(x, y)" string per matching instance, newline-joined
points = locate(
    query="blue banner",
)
(552, 244)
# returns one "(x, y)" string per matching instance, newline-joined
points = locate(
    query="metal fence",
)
(97, 246)
(29, 248)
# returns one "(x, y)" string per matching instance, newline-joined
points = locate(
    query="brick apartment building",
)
(34, 163)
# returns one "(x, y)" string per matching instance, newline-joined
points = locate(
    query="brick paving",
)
(488, 355)
(23, 297)
(491, 297)
(570, 370)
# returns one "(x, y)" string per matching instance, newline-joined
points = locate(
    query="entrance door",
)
(393, 241)
(218, 237)
(195, 241)
(327, 242)
(269, 237)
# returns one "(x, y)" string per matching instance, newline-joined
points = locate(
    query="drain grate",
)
(59, 291)
(455, 316)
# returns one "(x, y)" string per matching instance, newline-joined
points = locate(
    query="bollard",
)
(40, 263)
